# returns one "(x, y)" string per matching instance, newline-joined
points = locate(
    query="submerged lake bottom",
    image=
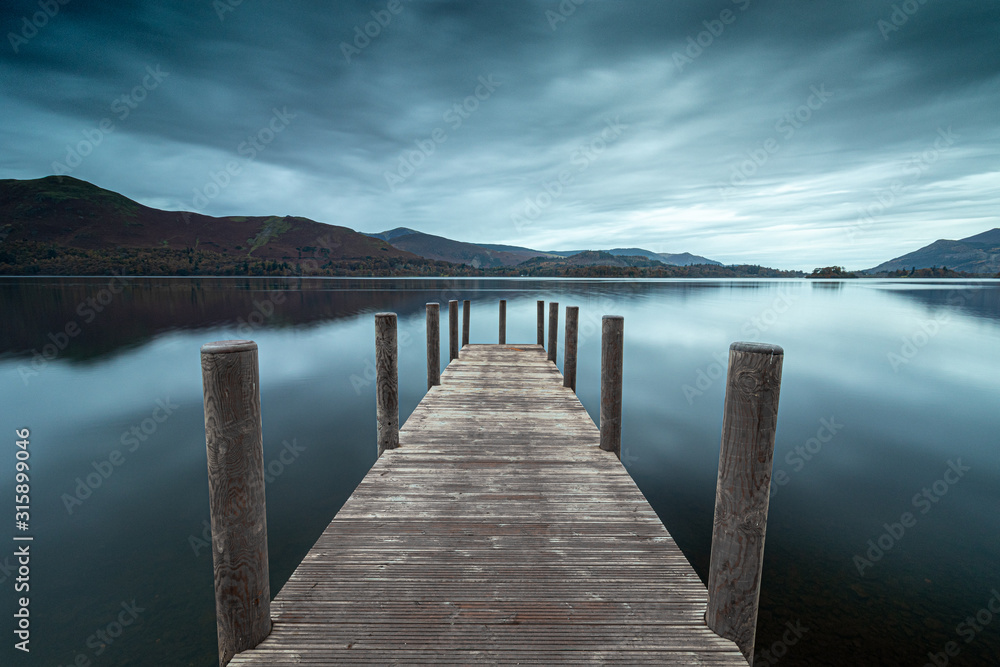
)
(882, 536)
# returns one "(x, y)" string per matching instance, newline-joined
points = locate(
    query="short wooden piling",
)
(569, 363)
(433, 345)
(612, 339)
(753, 383)
(386, 382)
(541, 323)
(452, 330)
(503, 321)
(465, 322)
(553, 330)
(235, 449)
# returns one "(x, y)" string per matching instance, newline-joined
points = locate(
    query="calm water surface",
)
(889, 388)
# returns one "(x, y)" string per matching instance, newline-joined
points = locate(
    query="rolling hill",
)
(974, 254)
(444, 249)
(46, 222)
(489, 255)
(673, 259)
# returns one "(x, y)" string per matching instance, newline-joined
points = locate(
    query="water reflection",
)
(136, 535)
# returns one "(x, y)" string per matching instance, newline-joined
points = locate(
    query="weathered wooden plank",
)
(499, 532)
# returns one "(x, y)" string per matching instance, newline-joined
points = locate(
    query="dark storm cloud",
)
(787, 133)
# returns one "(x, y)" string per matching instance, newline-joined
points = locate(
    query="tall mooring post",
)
(503, 321)
(569, 363)
(541, 323)
(753, 382)
(433, 345)
(612, 346)
(466, 316)
(235, 447)
(553, 330)
(452, 330)
(386, 382)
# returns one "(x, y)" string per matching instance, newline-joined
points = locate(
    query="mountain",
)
(490, 255)
(393, 233)
(443, 249)
(59, 225)
(599, 264)
(975, 254)
(673, 259)
(591, 258)
(50, 222)
(527, 253)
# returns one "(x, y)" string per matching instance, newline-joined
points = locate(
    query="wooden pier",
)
(497, 532)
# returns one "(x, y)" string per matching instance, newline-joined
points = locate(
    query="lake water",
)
(889, 405)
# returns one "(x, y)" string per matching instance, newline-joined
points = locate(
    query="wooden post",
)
(465, 323)
(541, 323)
(612, 338)
(433, 345)
(386, 382)
(753, 382)
(231, 381)
(452, 330)
(569, 363)
(503, 321)
(553, 330)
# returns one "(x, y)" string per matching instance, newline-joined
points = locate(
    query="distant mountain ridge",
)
(979, 253)
(479, 255)
(430, 246)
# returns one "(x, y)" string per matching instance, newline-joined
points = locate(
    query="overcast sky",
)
(789, 133)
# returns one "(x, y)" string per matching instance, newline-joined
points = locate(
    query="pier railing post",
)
(569, 363)
(612, 339)
(452, 330)
(503, 321)
(541, 323)
(553, 330)
(433, 345)
(386, 382)
(235, 448)
(753, 383)
(465, 322)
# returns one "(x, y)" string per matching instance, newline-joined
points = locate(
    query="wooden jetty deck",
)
(497, 533)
